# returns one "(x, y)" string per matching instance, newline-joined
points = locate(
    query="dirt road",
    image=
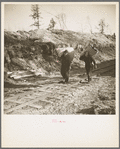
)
(45, 96)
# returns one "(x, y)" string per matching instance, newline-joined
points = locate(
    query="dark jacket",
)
(88, 61)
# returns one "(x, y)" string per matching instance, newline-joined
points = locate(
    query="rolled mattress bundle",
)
(92, 50)
(61, 50)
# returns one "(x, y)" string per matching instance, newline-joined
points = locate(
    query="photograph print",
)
(59, 58)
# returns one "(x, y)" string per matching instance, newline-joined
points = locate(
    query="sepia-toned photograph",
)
(59, 59)
(60, 74)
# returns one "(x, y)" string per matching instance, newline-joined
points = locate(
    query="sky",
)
(78, 17)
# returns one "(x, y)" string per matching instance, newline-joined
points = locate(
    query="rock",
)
(7, 58)
(90, 110)
(20, 62)
(37, 34)
(106, 111)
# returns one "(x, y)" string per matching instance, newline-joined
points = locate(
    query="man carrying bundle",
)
(66, 54)
(86, 56)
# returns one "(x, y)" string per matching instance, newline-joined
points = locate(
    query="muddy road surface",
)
(45, 96)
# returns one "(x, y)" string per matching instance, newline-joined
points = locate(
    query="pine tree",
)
(102, 26)
(36, 15)
(52, 24)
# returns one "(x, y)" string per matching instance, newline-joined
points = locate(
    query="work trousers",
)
(66, 60)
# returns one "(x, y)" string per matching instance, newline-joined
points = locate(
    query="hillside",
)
(22, 50)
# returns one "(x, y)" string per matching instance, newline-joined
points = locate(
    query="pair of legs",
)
(88, 67)
(88, 59)
(65, 67)
(65, 71)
